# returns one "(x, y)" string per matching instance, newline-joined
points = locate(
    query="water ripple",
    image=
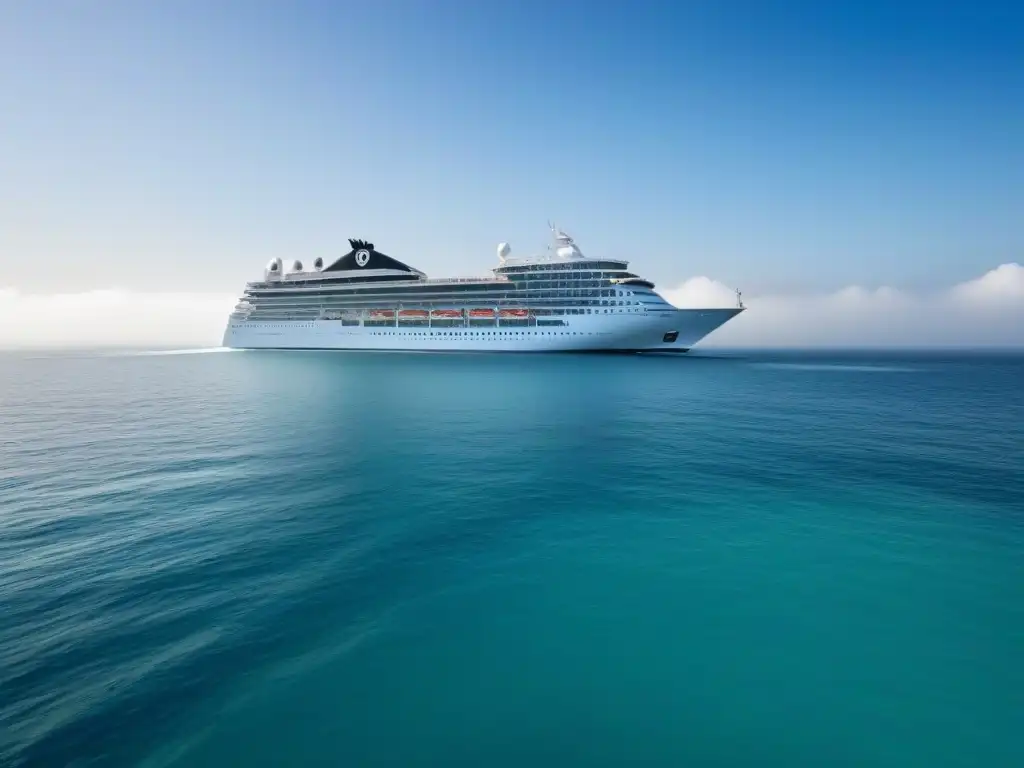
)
(251, 559)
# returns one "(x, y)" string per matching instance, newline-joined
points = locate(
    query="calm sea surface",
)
(268, 559)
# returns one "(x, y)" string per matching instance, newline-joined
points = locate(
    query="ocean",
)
(299, 558)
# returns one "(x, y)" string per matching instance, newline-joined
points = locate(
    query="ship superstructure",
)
(559, 301)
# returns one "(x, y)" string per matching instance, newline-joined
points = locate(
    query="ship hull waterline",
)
(653, 331)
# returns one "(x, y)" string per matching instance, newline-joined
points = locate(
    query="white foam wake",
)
(197, 351)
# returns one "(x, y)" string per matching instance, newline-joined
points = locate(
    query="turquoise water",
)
(268, 559)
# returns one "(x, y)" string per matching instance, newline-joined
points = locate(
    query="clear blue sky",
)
(771, 145)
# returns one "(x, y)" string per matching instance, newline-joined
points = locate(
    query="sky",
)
(850, 166)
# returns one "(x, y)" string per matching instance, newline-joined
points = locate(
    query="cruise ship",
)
(560, 301)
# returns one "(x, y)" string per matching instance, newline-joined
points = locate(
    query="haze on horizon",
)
(984, 312)
(856, 169)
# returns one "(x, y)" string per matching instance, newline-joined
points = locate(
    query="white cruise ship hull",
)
(656, 330)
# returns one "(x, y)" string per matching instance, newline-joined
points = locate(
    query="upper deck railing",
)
(313, 280)
(477, 279)
(552, 258)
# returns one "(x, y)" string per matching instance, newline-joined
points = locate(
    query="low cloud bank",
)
(112, 318)
(988, 310)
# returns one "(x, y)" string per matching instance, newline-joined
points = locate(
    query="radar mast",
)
(565, 246)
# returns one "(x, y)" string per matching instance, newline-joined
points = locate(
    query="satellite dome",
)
(504, 249)
(296, 266)
(273, 270)
(318, 263)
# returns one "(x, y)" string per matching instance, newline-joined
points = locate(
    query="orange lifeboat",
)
(382, 314)
(486, 314)
(413, 314)
(515, 314)
(447, 314)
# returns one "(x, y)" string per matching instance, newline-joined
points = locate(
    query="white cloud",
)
(1004, 284)
(986, 311)
(112, 317)
(701, 293)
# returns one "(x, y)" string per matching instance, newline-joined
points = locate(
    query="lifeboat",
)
(382, 314)
(486, 314)
(413, 314)
(514, 314)
(447, 314)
